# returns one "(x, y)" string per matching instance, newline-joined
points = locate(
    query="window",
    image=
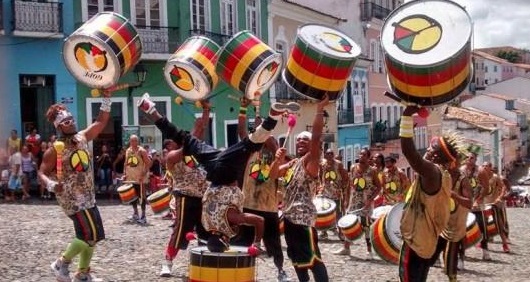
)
(376, 54)
(228, 17)
(389, 116)
(253, 16)
(95, 6)
(147, 13)
(485, 68)
(494, 68)
(200, 15)
(280, 48)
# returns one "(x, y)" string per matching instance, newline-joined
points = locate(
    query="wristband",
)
(105, 105)
(406, 127)
(243, 110)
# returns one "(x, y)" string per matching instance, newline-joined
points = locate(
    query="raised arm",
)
(202, 123)
(312, 160)
(242, 118)
(93, 130)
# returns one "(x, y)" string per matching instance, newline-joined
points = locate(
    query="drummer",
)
(494, 196)
(333, 184)
(395, 183)
(137, 164)
(364, 188)
(188, 183)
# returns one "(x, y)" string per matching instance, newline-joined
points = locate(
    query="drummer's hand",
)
(206, 105)
(244, 101)
(280, 153)
(410, 110)
(323, 103)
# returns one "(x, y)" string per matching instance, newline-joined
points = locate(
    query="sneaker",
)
(282, 276)
(369, 256)
(142, 220)
(342, 252)
(323, 235)
(437, 263)
(83, 277)
(505, 248)
(166, 269)
(60, 270)
(486, 255)
(133, 218)
(460, 265)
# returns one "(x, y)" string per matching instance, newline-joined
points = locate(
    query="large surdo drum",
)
(234, 265)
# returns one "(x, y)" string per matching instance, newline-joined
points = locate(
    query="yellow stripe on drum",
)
(204, 61)
(120, 42)
(430, 91)
(387, 246)
(245, 62)
(313, 80)
(213, 274)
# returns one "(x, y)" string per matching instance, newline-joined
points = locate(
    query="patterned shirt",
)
(362, 189)
(300, 188)
(215, 204)
(331, 180)
(188, 178)
(393, 188)
(78, 183)
(472, 175)
(261, 193)
(134, 164)
(456, 228)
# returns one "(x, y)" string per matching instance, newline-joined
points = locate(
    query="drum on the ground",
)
(127, 193)
(350, 226)
(249, 65)
(427, 51)
(385, 234)
(102, 50)
(234, 265)
(326, 215)
(473, 235)
(159, 201)
(190, 71)
(380, 211)
(320, 62)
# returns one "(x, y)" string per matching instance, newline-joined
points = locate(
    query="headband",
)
(304, 134)
(61, 116)
(446, 151)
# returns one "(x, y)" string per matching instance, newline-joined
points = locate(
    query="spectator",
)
(44, 194)
(155, 171)
(52, 139)
(104, 169)
(33, 141)
(15, 174)
(13, 141)
(29, 170)
(117, 166)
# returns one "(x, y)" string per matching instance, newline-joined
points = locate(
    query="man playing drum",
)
(137, 165)
(452, 237)
(395, 183)
(365, 185)
(494, 196)
(333, 183)
(261, 193)
(223, 200)
(426, 212)
(301, 181)
(188, 183)
(66, 170)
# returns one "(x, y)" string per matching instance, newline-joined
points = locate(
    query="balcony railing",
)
(348, 117)
(371, 10)
(381, 136)
(158, 39)
(218, 38)
(283, 92)
(1, 16)
(40, 17)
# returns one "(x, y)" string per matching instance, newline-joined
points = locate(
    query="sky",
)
(499, 22)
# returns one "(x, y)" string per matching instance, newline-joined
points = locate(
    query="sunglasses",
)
(67, 122)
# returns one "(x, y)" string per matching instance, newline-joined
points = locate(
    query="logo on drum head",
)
(80, 161)
(267, 73)
(417, 34)
(182, 79)
(335, 42)
(90, 57)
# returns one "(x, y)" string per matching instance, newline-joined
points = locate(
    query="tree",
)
(510, 56)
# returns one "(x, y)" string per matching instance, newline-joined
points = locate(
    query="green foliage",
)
(510, 56)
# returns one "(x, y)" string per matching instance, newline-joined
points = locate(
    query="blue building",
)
(32, 73)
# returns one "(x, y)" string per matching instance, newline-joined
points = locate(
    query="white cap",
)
(304, 134)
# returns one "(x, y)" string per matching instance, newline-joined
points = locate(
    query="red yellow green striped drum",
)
(190, 71)
(234, 265)
(350, 226)
(159, 201)
(320, 62)
(491, 226)
(102, 50)
(326, 215)
(473, 235)
(127, 193)
(427, 51)
(248, 65)
(385, 234)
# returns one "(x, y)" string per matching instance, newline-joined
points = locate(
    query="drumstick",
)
(98, 92)
(59, 147)
(291, 122)
(422, 112)
(180, 101)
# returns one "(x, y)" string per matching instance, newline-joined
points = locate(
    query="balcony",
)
(382, 136)
(1, 17)
(218, 38)
(37, 19)
(348, 117)
(283, 92)
(370, 10)
(158, 41)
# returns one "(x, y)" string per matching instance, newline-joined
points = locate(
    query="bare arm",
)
(93, 130)
(242, 120)
(202, 123)
(312, 159)
(279, 159)
(173, 158)
(49, 161)
(237, 218)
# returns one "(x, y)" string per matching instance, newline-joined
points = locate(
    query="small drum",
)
(385, 234)
(320, 62)
(159, 201)
(326, 215)
(473, 235)
(190, 71)
(102, 50)
(281, 223)
(350, 226)
(427, 51)
(127, 193)
(380, 211)
(249, 65)
(491, 227)
(234, 265)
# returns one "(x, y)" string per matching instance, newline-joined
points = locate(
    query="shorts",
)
(88, 225)
(14, 183)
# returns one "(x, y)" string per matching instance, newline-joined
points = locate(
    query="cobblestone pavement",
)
(33, 234)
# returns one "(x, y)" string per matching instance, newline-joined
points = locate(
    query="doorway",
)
(37, 94)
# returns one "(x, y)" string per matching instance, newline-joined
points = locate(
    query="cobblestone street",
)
(33, 234)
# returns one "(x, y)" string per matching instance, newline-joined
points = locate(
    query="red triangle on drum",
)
(273, 66)
(175, 72)
(346, 45)
(401, 32)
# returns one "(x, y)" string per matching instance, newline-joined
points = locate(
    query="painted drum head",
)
(329, 41)
(347, 220)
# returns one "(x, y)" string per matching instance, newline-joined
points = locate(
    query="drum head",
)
(231, 252)
(471, 219)
(329, 41)
(124, 187)
(393, 223)
(159, 193)
(264, 76)
(347, 220)
(186, 80)
(424, 33)
(379, 211)
(324, 204)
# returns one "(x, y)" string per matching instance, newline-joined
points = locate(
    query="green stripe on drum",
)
(221, 260)
(319, 57)
(237, 40)
(305, 90)
(253, 70)
(436, 100)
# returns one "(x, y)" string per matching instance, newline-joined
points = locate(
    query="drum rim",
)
(235, 35)
(295, 90)
(198, 250)
(354, 58)
(159, 192)
(386, 225)
(350, 215)
(200, 37)
(170, 83)
(129, 186)
(269, 84)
